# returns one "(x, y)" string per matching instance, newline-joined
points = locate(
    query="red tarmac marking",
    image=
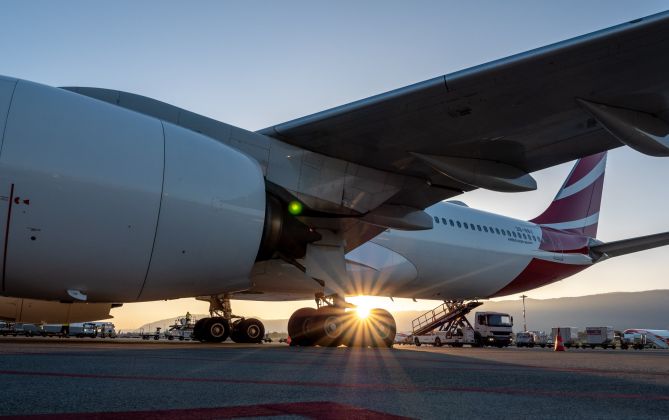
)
(316, 409)
(369, 386)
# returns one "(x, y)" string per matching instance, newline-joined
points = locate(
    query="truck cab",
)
(493, 329)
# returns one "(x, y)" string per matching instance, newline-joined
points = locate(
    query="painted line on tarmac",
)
(489, 365)
(312, 409)
(367, 386)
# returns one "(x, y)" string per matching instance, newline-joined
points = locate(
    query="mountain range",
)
(621, 310)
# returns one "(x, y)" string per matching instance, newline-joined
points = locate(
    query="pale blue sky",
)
(256, 63)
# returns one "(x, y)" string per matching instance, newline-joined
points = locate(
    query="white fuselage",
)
(476, 256)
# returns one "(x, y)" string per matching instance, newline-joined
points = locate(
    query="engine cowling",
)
(118, 206)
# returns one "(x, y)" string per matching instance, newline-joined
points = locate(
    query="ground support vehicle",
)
(440, 338)
(540, 338)
(447, 324)
(493, 329)
(155, 335)
(10, 328)
(182, 329)
(87, 329)
(640, 338)
(603, 337)
(402, 338)
(524, 339)
(635, 340)
(106, 330)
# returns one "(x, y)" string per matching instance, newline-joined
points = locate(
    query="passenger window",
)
(466, 225)
(459, 224)
(478, 227)
(436, 219)
(485, 229)
(514, 234)
(492, 230)
(503, 233)
(443, 220)
(497, 231)
(450, 221)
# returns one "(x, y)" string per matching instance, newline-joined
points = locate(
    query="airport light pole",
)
(524, 319)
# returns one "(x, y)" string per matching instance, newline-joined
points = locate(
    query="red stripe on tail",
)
(577, 204)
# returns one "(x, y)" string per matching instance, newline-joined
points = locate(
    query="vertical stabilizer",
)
(575, 208)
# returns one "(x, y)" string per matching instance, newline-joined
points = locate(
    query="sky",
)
(257, 63)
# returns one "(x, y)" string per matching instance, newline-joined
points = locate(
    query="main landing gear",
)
(223, 324)
(331, 325)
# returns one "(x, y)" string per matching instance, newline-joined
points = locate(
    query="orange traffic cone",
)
(558, 344)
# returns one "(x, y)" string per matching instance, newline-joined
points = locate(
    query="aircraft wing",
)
(628, 246)
(519, 113)
(488, 126)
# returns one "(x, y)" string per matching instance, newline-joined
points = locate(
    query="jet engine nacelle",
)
(103, 204)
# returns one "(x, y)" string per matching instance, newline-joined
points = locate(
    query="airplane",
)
(112, 197)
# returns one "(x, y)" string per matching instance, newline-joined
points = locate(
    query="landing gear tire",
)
(437, 342)
(198, 330)
(328, 326)
(216, 330)
(248, 330)
(382, 328)
(300, 327)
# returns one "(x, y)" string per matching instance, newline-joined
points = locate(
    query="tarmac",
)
(104, 378)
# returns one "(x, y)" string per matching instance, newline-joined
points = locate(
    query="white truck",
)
(490, 329)
(531, 339)
(603, 337)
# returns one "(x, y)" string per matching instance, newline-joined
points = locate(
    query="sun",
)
(362, 312)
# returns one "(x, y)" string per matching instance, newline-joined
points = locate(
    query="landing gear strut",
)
(223, 324)
(331, 325)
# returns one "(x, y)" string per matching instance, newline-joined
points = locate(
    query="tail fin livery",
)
(575, 208)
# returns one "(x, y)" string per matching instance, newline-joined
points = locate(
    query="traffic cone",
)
(558, 344)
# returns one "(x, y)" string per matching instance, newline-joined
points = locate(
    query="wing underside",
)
(521, 111)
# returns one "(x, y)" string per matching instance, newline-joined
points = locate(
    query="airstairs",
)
(449, 316)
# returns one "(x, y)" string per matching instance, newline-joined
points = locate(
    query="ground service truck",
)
(451, 327)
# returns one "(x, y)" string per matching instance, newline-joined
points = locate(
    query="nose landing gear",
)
(331, 325)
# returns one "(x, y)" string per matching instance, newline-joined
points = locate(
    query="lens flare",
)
(362, 312)
(295, 208)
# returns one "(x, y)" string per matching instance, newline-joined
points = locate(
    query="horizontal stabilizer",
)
(627, 246)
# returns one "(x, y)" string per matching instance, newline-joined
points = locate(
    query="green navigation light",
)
(295, 208)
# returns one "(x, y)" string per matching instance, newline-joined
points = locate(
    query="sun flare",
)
(362, 312)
